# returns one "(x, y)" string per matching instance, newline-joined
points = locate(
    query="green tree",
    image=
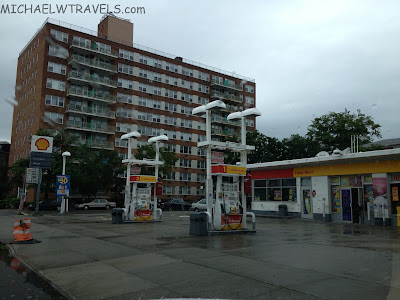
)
(149, 152)
(16, 173)
(298, 146)
(266, 148)
(334, 130)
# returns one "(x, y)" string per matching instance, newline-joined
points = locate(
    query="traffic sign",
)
(63, 185)
(141, 178)
(32, 175)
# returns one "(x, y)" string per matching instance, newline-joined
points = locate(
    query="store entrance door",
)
(306, 200)
(356, 204)
(346, 205)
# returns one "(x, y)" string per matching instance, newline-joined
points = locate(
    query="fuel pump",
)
(142, 211)
(227, 213)
(138, 206)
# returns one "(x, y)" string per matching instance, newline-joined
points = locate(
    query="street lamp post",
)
(64, 204)
(251, 112)
(156, 140)
(206, 110)
(129, 137)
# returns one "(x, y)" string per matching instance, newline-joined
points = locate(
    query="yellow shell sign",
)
(42, 144)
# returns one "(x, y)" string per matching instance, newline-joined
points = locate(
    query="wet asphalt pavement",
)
(285, 259)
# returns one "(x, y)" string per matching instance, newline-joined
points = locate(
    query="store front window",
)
(275, 190)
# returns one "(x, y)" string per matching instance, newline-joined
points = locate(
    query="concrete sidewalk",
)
(87, 257)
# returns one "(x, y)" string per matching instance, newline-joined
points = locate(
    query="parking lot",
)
(87, 257)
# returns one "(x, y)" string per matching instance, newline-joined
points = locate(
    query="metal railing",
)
(89, 126)
(224, 120)
(94, 95)
(215, 94)
(100, 144)
(91, 111)
(95, 63)
(93, 48)
(227, 84)
(92, 78)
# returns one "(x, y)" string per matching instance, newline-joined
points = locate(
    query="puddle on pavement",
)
(30, 277)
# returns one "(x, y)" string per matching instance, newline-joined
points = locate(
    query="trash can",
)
(116, 215)
(283, 212)
(198, 223)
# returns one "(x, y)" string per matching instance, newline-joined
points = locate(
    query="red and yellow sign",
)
(228, 169)
(141, 178)
(383, 166)
(231, 222)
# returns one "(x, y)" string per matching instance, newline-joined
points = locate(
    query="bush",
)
(10, 202)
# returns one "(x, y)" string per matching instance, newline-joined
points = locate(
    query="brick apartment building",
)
(99, 85)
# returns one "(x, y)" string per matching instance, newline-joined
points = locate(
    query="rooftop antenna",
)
(354, 143)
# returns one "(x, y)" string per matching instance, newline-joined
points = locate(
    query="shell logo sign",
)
(42, 144)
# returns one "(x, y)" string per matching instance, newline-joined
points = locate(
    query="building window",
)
(55, 84)
(275, 190)
(124, 113)
(121, 143)
(249, 88)
(170, 134)
(249, 123)
(124, 98)
(171, 67)
(184, 190)
(186, 150)
(126, 69)
(168, 190)
(57, 68)
(127, 84)
(149, 103)
(185, 176)
(249, 100)
(55, 117)
(186, 123)
(185, 163)
(54, 101)
(170, 107)
(201, 164)
(126, 54)
(59, 36)
(170, 120)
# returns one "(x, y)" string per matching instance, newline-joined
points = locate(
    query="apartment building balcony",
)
(93, 49)
(223, 120)
(227, 85)
(92, 63)
(90, 111)
(226, 96)
(92, 95)
(82, 126)
(232, 108)
(100, 145)
(92, 79)
(222, 132)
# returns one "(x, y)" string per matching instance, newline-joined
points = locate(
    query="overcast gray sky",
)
(308, 57)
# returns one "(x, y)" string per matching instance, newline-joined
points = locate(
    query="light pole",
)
(251, 112)
(201, 110)
(129, 137)
(156, 140)
(64, 204)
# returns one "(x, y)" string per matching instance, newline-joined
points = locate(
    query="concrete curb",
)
(63, 292)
